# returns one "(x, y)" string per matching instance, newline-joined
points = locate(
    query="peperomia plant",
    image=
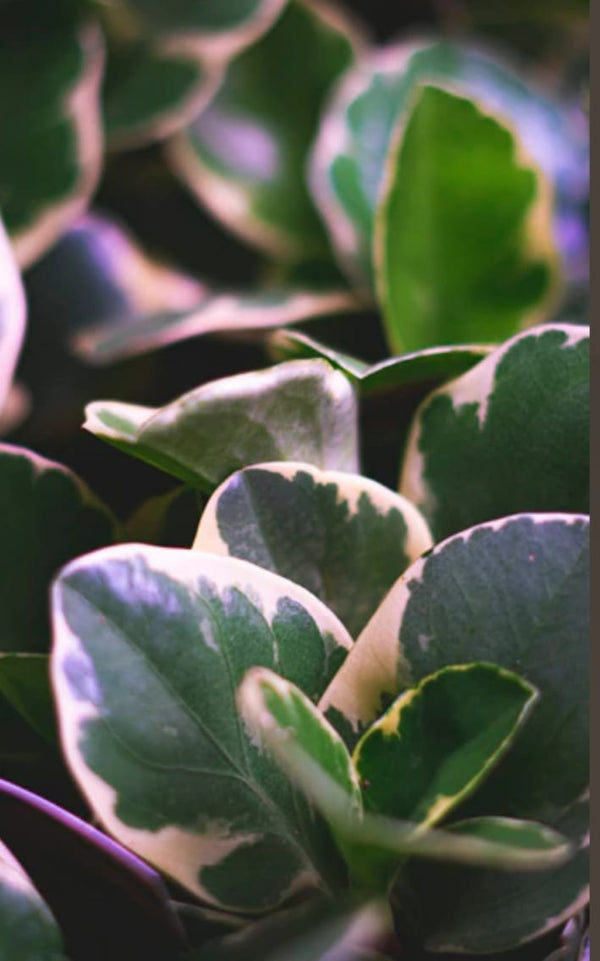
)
(308, 680)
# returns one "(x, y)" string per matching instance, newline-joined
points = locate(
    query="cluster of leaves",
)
(317, 707)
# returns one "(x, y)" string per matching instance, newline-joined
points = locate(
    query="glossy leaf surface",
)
(343, 537)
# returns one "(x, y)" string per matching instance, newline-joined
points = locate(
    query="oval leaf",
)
(476, 265)
(520, 420)
(344, 537)
(150, 646)
(515, 593)
(48, 516)
(244, 156)
(303, 410)
(27, 925)
(349, 157)
(438, 741)
(49, 108)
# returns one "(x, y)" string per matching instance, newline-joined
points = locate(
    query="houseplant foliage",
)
(320, 689)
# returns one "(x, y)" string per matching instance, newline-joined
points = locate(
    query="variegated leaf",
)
(439, 740)
(313, 754)
(462, 245)
(28, 930)
(49, 109)
(303, 410)
(244, 156)
(153, 85)
(520, 420)
(343, 537)
(423, 366)
(348, 161)
(226, 312)
(466, 909)
(150, 646)
(217, 28)
(47, 517)
(12, 317)
(513, 592)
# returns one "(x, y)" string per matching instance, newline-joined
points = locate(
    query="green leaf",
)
(169, 520)
(512, 592)
(153, 87)
(150, 646)
(25, 684)
(49, 109)
(288, 722)
(301, 411)
(213, 312)
(452, 908)
(12, 317)
(431, 364)
(28, 930)
(437, 742)
(48, 516)
(520, 420)
(218, 26)
(347, 165)
(343, 537)
(244, 157)
(313, 754)
(462, 241)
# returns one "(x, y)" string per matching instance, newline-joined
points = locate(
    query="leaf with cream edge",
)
(520, 420)
(28, 930)
(512, 592)
(303, 410)
(343, 537)
(466, 909)
(227, 312)
(313, 754)
(150, 645)
(13, 312)
(462, 246)
(153, 85)
(47, 517)
(166, 63)
(244, 156)
(437, 742)
(52, 151)
(348, 160)
(431, 364)
(127, 303)
(220, 28)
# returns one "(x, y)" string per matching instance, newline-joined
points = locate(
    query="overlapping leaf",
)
(50, 74)
(510, 435)
(343, 537)
(303, 410)
(350, 154)
(513, 592)
(28, 929)
(314, 755)
(47, 517)
(437, 742)
(244, 156)
(150, 646)
(462, 246)
(431, 364)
